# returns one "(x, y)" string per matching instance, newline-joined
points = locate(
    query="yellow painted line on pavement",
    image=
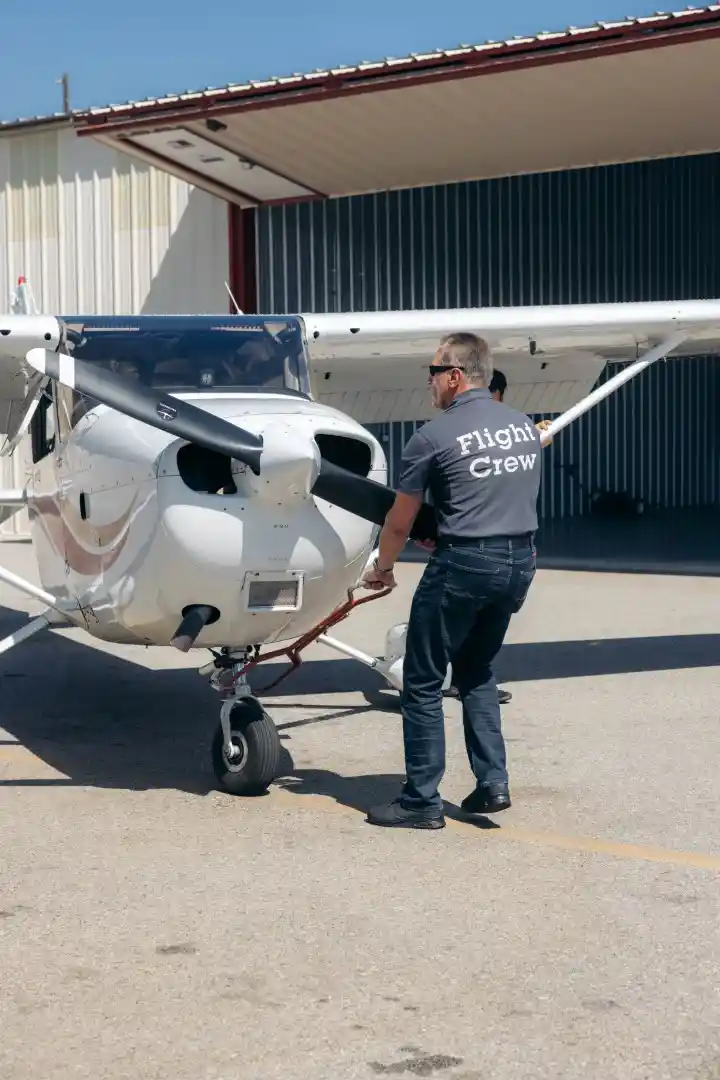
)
(16, 750)
(584, 844)
(33, 767)
(588, 845)
(591, 845)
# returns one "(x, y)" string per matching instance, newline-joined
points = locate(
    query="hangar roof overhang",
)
(614, 92)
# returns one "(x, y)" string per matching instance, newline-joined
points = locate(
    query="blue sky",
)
(120, 51)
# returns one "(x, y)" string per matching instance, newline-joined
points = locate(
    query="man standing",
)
(481, 462)
(497, 388)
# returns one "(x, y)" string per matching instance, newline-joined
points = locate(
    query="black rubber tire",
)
(263, 751)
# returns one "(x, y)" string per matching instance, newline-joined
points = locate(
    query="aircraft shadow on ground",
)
(104, 721)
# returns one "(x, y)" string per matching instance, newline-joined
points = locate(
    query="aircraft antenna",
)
(237, 306)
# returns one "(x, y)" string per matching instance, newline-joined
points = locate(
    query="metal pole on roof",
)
(64, 81)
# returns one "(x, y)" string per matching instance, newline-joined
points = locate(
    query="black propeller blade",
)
(162, 411)
(368, 499)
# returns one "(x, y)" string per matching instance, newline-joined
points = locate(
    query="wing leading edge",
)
(373, 365)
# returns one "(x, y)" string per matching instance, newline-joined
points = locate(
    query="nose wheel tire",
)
(256, 750)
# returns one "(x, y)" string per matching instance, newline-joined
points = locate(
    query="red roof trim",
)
(655, 32)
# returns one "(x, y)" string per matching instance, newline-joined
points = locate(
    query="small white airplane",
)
(207, 481)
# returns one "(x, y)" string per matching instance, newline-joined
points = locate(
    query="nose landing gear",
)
(246, 747)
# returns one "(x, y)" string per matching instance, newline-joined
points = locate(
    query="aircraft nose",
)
(289, 465)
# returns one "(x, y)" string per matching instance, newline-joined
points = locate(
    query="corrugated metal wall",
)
(97, 231)
(645, 231)
(655, 438)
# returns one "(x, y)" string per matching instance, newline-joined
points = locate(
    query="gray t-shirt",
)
(480, 462)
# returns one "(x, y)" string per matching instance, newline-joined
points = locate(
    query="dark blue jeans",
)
(460, 614)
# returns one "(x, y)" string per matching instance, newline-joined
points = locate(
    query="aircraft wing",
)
(373, 365)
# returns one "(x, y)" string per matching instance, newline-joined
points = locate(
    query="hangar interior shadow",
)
(681, 542)
(106, 722)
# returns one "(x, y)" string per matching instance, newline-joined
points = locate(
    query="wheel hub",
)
(246, 747)
(237, 758)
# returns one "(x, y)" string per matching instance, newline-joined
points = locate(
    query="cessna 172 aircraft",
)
(208, 481)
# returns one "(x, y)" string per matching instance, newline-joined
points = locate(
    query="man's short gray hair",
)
(469, 352)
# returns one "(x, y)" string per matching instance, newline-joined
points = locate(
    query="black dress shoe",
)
(395, 815)
(487, 800)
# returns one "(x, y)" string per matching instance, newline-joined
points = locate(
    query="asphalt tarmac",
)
(153, 927)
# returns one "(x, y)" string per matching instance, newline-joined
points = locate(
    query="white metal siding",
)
(98, 232)
(12, 475)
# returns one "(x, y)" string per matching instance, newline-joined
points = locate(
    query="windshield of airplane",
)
(186, 354)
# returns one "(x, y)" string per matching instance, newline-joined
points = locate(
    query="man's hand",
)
(543, 425)
(393, 537)
(378, 579)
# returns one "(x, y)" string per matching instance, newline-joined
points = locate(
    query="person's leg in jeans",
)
(504, 696)
(437, 624)
(477, 689)
(424, 668)
(456, 586)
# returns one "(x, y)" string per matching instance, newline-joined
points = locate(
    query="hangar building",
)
(573, 166)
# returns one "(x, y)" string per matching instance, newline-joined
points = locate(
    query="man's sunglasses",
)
(437, 369)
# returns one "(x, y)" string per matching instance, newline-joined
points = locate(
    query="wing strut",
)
(659, 352)
(58, 611)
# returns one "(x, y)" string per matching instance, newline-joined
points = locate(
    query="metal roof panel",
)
(595, 31)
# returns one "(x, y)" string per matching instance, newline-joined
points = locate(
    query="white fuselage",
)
(117, 527)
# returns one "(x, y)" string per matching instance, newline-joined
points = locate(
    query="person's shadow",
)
(363, 792)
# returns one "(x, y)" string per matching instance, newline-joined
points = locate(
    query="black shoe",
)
(487, 800)
(395, 815)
